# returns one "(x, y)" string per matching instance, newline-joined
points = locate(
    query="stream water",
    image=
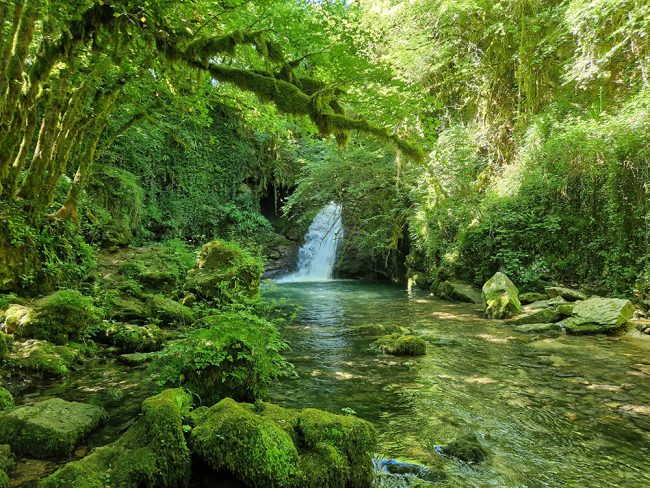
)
(553, 412)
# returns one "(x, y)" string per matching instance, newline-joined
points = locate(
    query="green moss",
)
(252, 447)
(378, 329)
(6, 341)
(125, 308)
(500, 297)
(55, 318)
(324, 466)
(42, 357)
(128, 338)
(224, 272)
(168, 311)
(4, 479)
(7, 458)
(541, 316)
(351, 436)
(466, 448)
(49, 428)
(151, 454)
(401, 345)
(531, 297)
(6, 399)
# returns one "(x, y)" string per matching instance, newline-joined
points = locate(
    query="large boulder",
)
(599, 316)
(266, 445)
(566, 293)
(128, 338)
(500, 297)
(151, 454)
(223, 272)
(50, 428)
(56, 317)
(458, 291)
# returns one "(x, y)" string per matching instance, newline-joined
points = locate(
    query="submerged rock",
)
(56, 317)
(466, 448)
(426, 473)
(599, 316)
(500, 297)
(377, 329)
(42, 357)
(537, 328)
(458, 291)
(152, 453)
(566, 293)
(266, 445)
(49, 428)
(401, 345)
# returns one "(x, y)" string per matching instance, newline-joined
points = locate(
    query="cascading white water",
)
(317, 255)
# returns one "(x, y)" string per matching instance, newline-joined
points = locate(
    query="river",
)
(553, 411)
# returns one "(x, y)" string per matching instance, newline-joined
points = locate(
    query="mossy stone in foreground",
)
(466, 448)
(264, 445)
(401, 345)
(50, 428)
(599, 316)
(56, 317)
(6, 399)
(151, 454)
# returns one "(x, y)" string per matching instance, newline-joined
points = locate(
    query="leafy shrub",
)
(235, 354)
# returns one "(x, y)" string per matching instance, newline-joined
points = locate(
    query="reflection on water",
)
(554, 412)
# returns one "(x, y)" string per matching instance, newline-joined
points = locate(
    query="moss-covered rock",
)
(566, 293)
(265, 445)
(250, 446)
(6, 399)
(168, 311)
(223, 272)
(500, 297)
(42, 357)
(129, 338)
(7, 458)
(599, 316)
(136, 358)
(4, 479)
(540, 316)
(401, 345)
(125, 308)
(377, 329)
(467, 448)
(458, 291)
(6, 344)
(49, 428)
(530, 297)
(565, 309)
(151, 454)
(56, 317)
(538, 328)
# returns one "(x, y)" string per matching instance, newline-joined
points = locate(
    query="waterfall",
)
(317, 255)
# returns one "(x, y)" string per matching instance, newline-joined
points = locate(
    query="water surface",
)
(554, 412)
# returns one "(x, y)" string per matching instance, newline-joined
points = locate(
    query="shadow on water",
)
(556, 412)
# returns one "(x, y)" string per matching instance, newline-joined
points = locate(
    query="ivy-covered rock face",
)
(599, 316)
(268, 446)
(49, 428)
(500, 297)
(152, 453)
(223, 272)
(55, 318)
